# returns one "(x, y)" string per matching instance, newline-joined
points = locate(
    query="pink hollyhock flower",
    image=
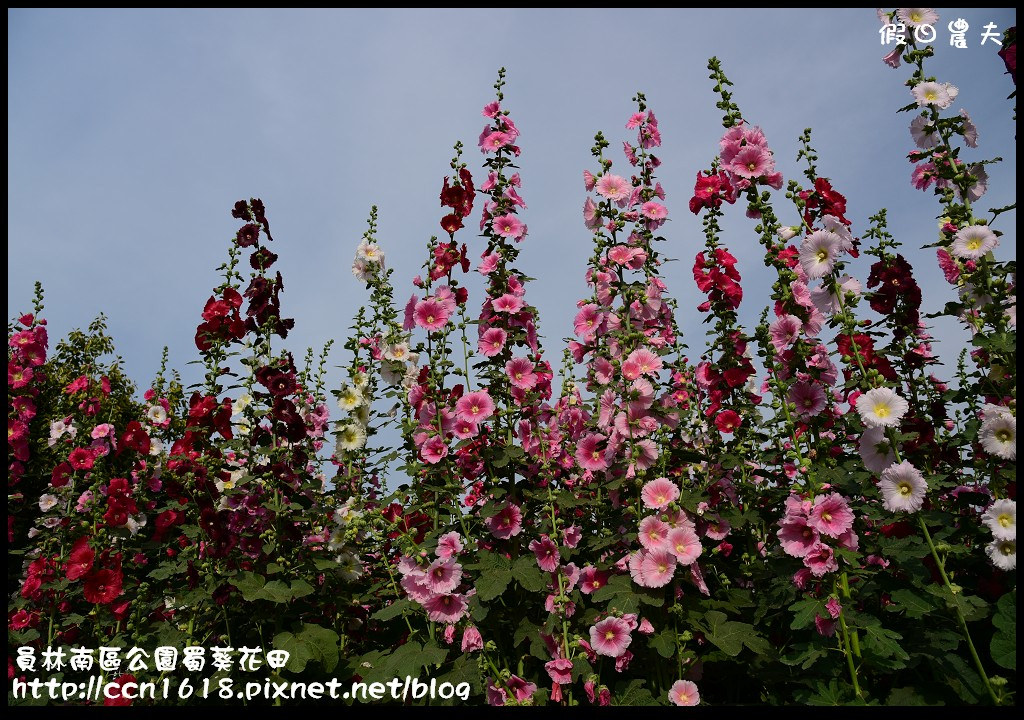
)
(496, 696)
(589, 181)
(571, 536)
(433, 450)
(824, 626)
(488, 263)
(492, 341)
(507, 303)
(587, 322)
(752, 161)
(950, 269)
(491, 141)
(410, 313)
(443, 576)
(590, 454)
(797, 536)
(610, 637)
(654, 210)
(546, 553)
(592, 579)
(658, 493)
(591, 218)
(560, 671)
(465, 429)
(446, 608)
(521, 690)
(648, 362)
(684, 544)
(784, 331)
(449, 545)
(475, 406)
(491, 109)
(614, 187)
(821, 560)
(924, 133)
(808, 397)
(508, 522)
(717, 528)
(431, 314)
(509, 226)
(520, 372)
(657, 568)
(415, 585)
(833, 607)
(471, 639)
(653, 532)
(684, 693)
(831, 515)
(970, 130)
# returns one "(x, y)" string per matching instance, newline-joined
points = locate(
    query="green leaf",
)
(904, 696)
(664, 643)
(525, 630)
(301, 588)
(831, 694)
(619, 593)
(730, 636)
(390, 612)
(635, 694)
(884, 642)
(298, 652)
(492, 583)
(1004, 642)
(323, 644)
(276, 591)
(250, 585)
(804, 612)
(527, 574)
(915, 605)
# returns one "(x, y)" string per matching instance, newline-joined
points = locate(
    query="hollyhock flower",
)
(520, 372)
(950, 270)
(475, 406)
(592, 579)
(808, 397)
(653, 532)
(924, 133)
(496, 696)
(831, 515)
(82, 459)
(728, 421)
(973, 242)
(903, 488)
(1003, 554)
(684, 544)
(47, 502)
(431, 314)
(446, 608)
(977, 184)
(881, 407)
(509, 226)
(652, 568)
(589, 181)
(443, 576)
(488, 263)
(589, 454)
(1001, 519)
(102, 586)
(752, 161)
(646, 361)
(654, 210)
(434, 450)
(492, 340)
(876, 450)
(923, 175)
(521, 689)
(784, 331)
(999, 435)
(492, 140)
(684, 693)
(819, 252)
(507, 303)
(658, 493)
(591, 217)
(797, 536)
(560, 671)
(508, 522)
(614, 187)
(349, 398)
(820, 560)
(610, 637)
(916, 17)
(351, 437)
(471, 639)
(546, 553)
(970, 130)
(571, 536)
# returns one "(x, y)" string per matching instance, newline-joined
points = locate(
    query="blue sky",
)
(132, 132)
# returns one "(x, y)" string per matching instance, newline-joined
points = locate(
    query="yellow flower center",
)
(882, 411)
(973, 244)
(905, 489)
(822, 255)
(1005, 520)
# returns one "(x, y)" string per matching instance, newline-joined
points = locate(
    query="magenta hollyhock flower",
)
(592, 579)
(475, 406)
(509, 226)
(684, 693)
(589, 453)
(493, 140)
(488, 263)
(546, 552)
(727, 421)
(653, 532)
(449, 545)
(798, 538)
(465, 429)
(808, 397)
(831, 515)
(492, 340)
(446, 608)
(684, 544)
(614, 187)
(507, 303)
(658, 493)
(521, 689)
(443, 576)
(572, 535)
(471, 639)
(950, 269)
(520, 372)
(821, 560)
(610, 637)
(431, 314)
(507, 523)
(433, 450)
(824, 626)
(657, 568)
(82, 458)
(496, 696)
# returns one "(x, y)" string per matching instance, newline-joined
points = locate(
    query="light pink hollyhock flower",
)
(571, 573)
(684, 693)
(645, 627)
(431, 314)
(589, 181)
(603, 370)
(903, 488)
(591, 218)
(684, 544)
(752, 161)
(933, 93)
(434, 450)
(614, 187)
(592, 579)
(446, 608)
(916, 17)
(508, 522)
(656, 568)
(808, 397)
(488, 263)
(923, 175)
(509, 226)
(849, 540)
(924, 133)
(472, 640)
(970, 130)
(892, 59)
(520, 372)
(449, 545)
(546, 553)
(571, 536)
(831, 515)
(511, 194)
(881, 407)
(410, 313)
(492, 340)
(784, 331)
(654, 210)
(876, 450)
(622, 661)
(475, 406)
(491, 109)
(443, 576)
(653, 532)
(648, 362)
(589, 453)
(973, 242)
(658, 493)
(610, 637)
(635, 120)
(507, 303)
(415, 585)
(798, 538)
(819, 252)
(587, 322)
(820, 560)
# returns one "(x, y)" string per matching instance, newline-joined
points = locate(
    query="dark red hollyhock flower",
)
(241, 211)
(134, 438)
(710, 190)
(392, 512)
(165, 521)
(277, 382)
(831, 202)
(1009, 52)
(284, 412)
(248, 235)
(82, 459)
(102, 586)
(727, 421)
(451, 223)
(61, 475)
(80, 559)
(261, 260)
(119, 700)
